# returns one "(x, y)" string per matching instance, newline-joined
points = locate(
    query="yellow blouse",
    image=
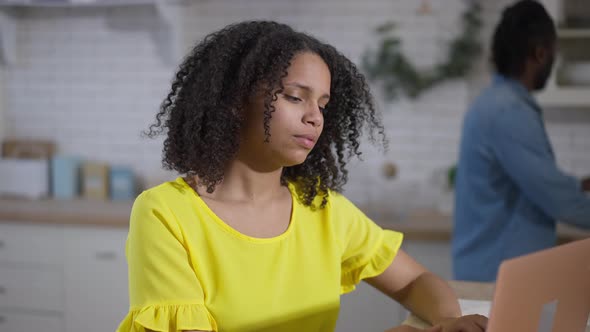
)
(188, 270)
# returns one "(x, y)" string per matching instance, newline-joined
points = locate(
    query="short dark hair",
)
(202, 114)
(524, 26)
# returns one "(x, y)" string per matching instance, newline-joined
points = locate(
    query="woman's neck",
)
(243, 184)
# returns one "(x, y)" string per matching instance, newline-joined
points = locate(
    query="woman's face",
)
(297, 122)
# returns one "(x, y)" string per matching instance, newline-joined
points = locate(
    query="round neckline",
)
(229, 229)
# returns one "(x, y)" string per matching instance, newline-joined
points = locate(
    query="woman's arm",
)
(420, 291)
(425, 295)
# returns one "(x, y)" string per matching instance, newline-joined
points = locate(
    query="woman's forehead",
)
(309, 71)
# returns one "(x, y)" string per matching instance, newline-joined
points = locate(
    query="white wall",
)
(92, 79)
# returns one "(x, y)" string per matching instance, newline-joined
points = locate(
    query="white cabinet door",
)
(31, 244)
(31, 288)
(95, 279)
(22, 322)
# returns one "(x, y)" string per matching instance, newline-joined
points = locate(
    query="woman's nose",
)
(313, 116)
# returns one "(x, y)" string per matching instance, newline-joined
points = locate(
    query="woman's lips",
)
(307, 141)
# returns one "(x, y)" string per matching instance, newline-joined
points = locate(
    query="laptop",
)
(546, 291)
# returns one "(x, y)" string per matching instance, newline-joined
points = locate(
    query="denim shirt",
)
(509, 190)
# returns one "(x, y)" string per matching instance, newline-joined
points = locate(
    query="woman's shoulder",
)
(165, 203)
(167, 193)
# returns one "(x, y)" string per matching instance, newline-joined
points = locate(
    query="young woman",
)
(254, 236)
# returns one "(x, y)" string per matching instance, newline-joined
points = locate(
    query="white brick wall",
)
(92, 79)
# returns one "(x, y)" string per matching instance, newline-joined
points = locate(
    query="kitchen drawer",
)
(31, 288)
(22, 243)
(24, 322)
(96, 289)
(92, 244)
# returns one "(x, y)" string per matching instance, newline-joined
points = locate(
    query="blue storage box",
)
(122, 183)
(65, 177)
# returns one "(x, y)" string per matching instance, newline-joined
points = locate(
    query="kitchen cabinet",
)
(23, 322)
(31, 278)
(32, 288)
(62, 278)
(96, 293)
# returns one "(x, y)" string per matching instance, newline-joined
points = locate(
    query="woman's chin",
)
(293, 163)
(294, 160)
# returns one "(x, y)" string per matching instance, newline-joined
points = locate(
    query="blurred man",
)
(509, 190)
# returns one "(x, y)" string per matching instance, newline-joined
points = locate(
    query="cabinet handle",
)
(2, 290)
(106, 255)
(2, 244)
(2, 319)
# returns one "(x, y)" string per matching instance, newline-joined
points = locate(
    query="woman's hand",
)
(469, 323)
(407, 328)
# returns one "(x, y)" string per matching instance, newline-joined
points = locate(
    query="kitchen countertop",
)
(79, 211)
(473, 290)
(418, 225)
(435, 226)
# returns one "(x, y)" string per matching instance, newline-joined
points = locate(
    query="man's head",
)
(523, 46)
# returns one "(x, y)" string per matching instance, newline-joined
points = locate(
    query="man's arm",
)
(522, 148)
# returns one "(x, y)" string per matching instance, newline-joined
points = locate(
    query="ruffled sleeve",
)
(165, 294)
(382, 255)
(367, 249)
(169, 318)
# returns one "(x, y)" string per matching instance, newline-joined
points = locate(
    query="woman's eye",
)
(292, 98)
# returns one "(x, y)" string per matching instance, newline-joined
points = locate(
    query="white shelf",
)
(170, 12)
(570, 97)
(567, 33)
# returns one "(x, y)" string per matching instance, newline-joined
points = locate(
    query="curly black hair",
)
(524, 26)
(203, 113)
